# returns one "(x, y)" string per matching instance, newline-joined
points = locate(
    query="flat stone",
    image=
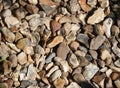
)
(82, 38)
(73, 85)
(9, 36)
(71, 37)
(105, 54)
(7, 13)
(93, 54)
(62, 50)
(90, 71)
(12, 21)
(107, 26)
(56, 41)
(59, 83)
(32, 73)
(96, 17)
(79, 78)
(22, 58)
(50, 57)
(73, 61)
(55, 26)
(65, 19)
(23, 42)
(56, 75)
(97, 42)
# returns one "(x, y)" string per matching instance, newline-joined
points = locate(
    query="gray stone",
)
(82, 38)
(50, 57)
(90, 71)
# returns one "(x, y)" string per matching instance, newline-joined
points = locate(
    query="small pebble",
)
(73, 85)
(22, 58)
(59, 83)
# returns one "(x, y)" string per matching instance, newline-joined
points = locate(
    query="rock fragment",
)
(32, 73)
(12, 21)
(84, 5)
(22, 58)
(82, 38)
(73, 61)
(9, 36)
(105, 54)
(107, 26)
(56, 41)
(90, 71)
(62, 50)
(56, 75)
(59, 83)
(97, 42)
(96, 17)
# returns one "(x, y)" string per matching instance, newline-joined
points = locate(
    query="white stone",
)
(90, 71)
(33, 1)
(7, 13)
(107, 26)
(12, 21)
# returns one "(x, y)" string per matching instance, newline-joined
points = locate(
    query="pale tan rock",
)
(108, 72)
(56, 41)
(22, 58)
(12, 21)
(28, 50)
(74, 45)
(105, 54)
(107, 26)
(33, 1)
(63, 64)
(52, 70)
(56, 75)
(7, 65)
(59, 83)
(117, 83)
(104, 3)
(97, 16)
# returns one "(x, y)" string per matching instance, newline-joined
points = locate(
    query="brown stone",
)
(55, 26)
(59, 83)
(32, 9)
(62, 50)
